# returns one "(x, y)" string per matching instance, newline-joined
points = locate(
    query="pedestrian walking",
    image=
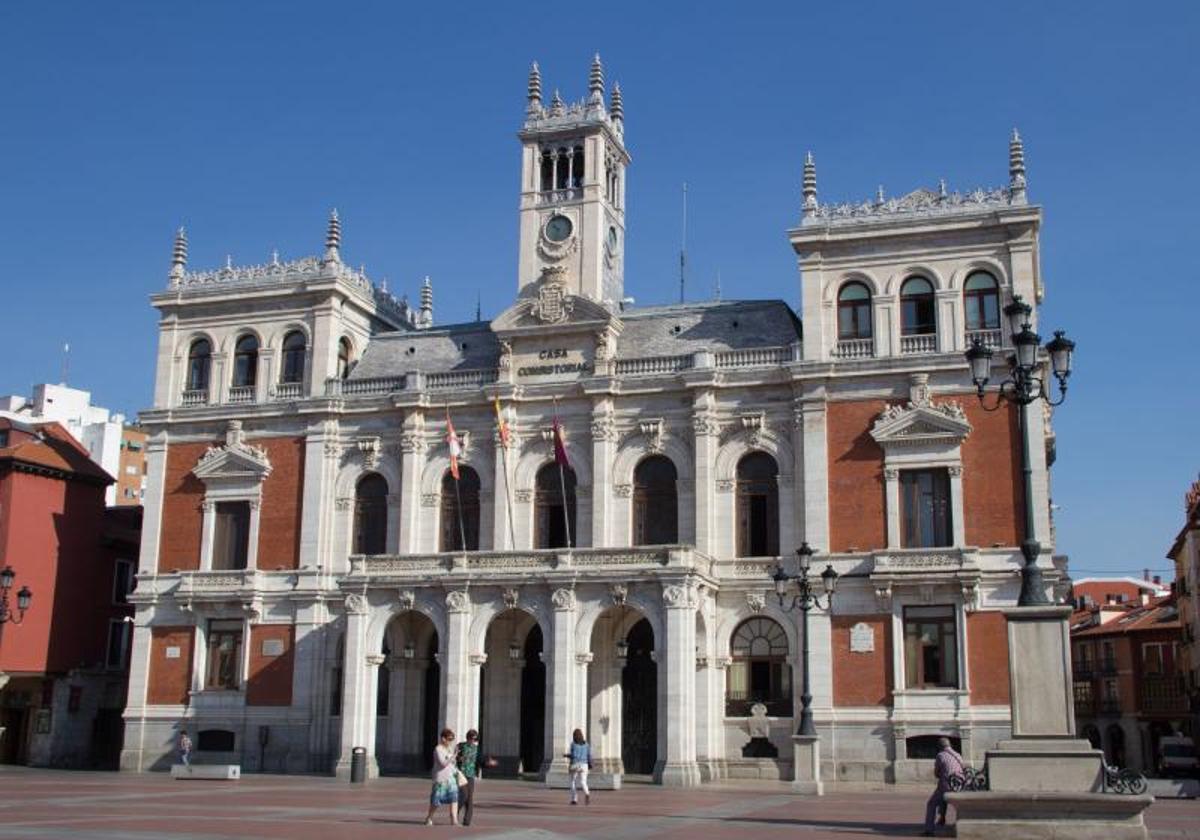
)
(185, 748)
(445, 778)
(947, 763)
(579, 756)
(466, 759)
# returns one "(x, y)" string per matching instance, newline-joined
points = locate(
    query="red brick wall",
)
(856, 493)
(993, 495)
(987, 657)
(270, 682)
(283, 491)
(862, 679)
(179, 539)
(279, 523)
(170, 679)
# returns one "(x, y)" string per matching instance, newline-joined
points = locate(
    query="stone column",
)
(560, 685)
(133, 755)
(679, 676)
(358, 692)
(815, 496)
(705, 430)
(503, 528)
(461, 702)
(321, 452)
(412, 459)
(604, 437)
(891, 500)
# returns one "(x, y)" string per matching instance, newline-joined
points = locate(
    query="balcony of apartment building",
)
(1085, 699)
(1162, 694)
(1107, 666)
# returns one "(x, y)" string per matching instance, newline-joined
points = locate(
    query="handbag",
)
(459, 778)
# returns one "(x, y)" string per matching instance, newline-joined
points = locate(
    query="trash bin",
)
(358, 765)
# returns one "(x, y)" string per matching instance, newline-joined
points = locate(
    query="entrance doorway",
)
(408, 704)
(639, 701)
(512, 695)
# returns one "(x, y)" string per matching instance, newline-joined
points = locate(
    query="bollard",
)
(358, 765)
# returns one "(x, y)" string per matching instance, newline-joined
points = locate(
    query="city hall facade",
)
(313, 579)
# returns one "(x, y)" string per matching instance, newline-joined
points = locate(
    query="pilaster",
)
(680, 768)
(705, 430)
(604, 436)
(358, 691)
(813, 411)
(412, 460)
(462, 702)
(560, 685)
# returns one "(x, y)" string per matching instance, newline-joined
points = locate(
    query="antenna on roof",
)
(683, 247)
(718, 289)
(478, 306)
(66, 362)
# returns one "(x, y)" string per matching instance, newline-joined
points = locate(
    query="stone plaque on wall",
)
(272, 647)
(172, 652)
(862, 638)
(552, 360)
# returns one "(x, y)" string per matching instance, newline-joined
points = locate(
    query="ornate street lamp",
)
(24, 598)
(805, 597)
(1025, 385)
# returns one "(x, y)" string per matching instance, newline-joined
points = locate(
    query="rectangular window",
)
(930, 647)
(231, 536)
(224, 669)
(925, 508)
(1158, 658)
(118, 644)
(122, 581)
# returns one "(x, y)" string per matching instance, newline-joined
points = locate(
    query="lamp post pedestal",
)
(806, 763)
(1044, 781)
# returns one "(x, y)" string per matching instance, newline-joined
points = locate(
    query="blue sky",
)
(248, 121)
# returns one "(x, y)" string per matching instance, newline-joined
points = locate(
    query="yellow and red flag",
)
(501, 426)
(454, 445)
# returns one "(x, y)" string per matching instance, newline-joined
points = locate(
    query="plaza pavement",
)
(64, 805)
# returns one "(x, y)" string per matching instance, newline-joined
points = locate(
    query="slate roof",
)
(672, 330)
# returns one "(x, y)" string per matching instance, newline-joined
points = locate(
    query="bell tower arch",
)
(573, 191)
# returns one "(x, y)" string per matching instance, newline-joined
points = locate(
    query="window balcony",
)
(289, 391)
(854, 348)
(988, 338)
(1161, 694)
(1108, 666)
(241, 394)
(918, 343)
(560, 195)
(1110, 706)
(1083, 671)
(739, 704)
(193, 398)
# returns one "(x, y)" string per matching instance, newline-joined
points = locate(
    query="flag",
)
(560, 447)
(454, 445)
(501, 426)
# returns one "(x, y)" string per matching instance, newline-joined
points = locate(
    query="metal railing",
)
(1162, 694)
(241, 394)
(918, 343)
(854, 348)
(1108, 666)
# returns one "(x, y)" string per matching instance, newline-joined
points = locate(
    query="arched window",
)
(547, 170)
(370, 514)
(854, 312)
(757, 506)
(454, 528)
(577, 167)
(981, 299)
(561, 176)
(292, 369)
(549, 522)
(343, 360)
(917, 307)
(655, 502)
(759, 672)
(199, 363)
(245, 362)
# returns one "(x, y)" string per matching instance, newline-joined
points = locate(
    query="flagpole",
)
(462, 530)
(562, 481)
(512, 534)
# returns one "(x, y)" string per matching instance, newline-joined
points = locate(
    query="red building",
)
(64, 666)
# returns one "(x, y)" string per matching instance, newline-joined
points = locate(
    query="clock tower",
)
(573, 163)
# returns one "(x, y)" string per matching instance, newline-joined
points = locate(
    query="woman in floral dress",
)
(445, 778)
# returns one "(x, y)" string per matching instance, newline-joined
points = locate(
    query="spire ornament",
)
(426, 318)
(179, 256)
(810, 187)
(557, 106)
(535, 88)
(596, 82)
(333, 240)
(1016, 169)
(615, 108)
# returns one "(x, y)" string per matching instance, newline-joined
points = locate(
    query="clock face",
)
(611, 242)
(558, 228)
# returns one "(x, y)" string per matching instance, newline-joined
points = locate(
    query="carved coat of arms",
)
(553, 305)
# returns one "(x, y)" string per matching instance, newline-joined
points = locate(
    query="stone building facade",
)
(312, 580)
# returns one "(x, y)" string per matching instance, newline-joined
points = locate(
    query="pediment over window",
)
(235, 460)
(920, 423)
